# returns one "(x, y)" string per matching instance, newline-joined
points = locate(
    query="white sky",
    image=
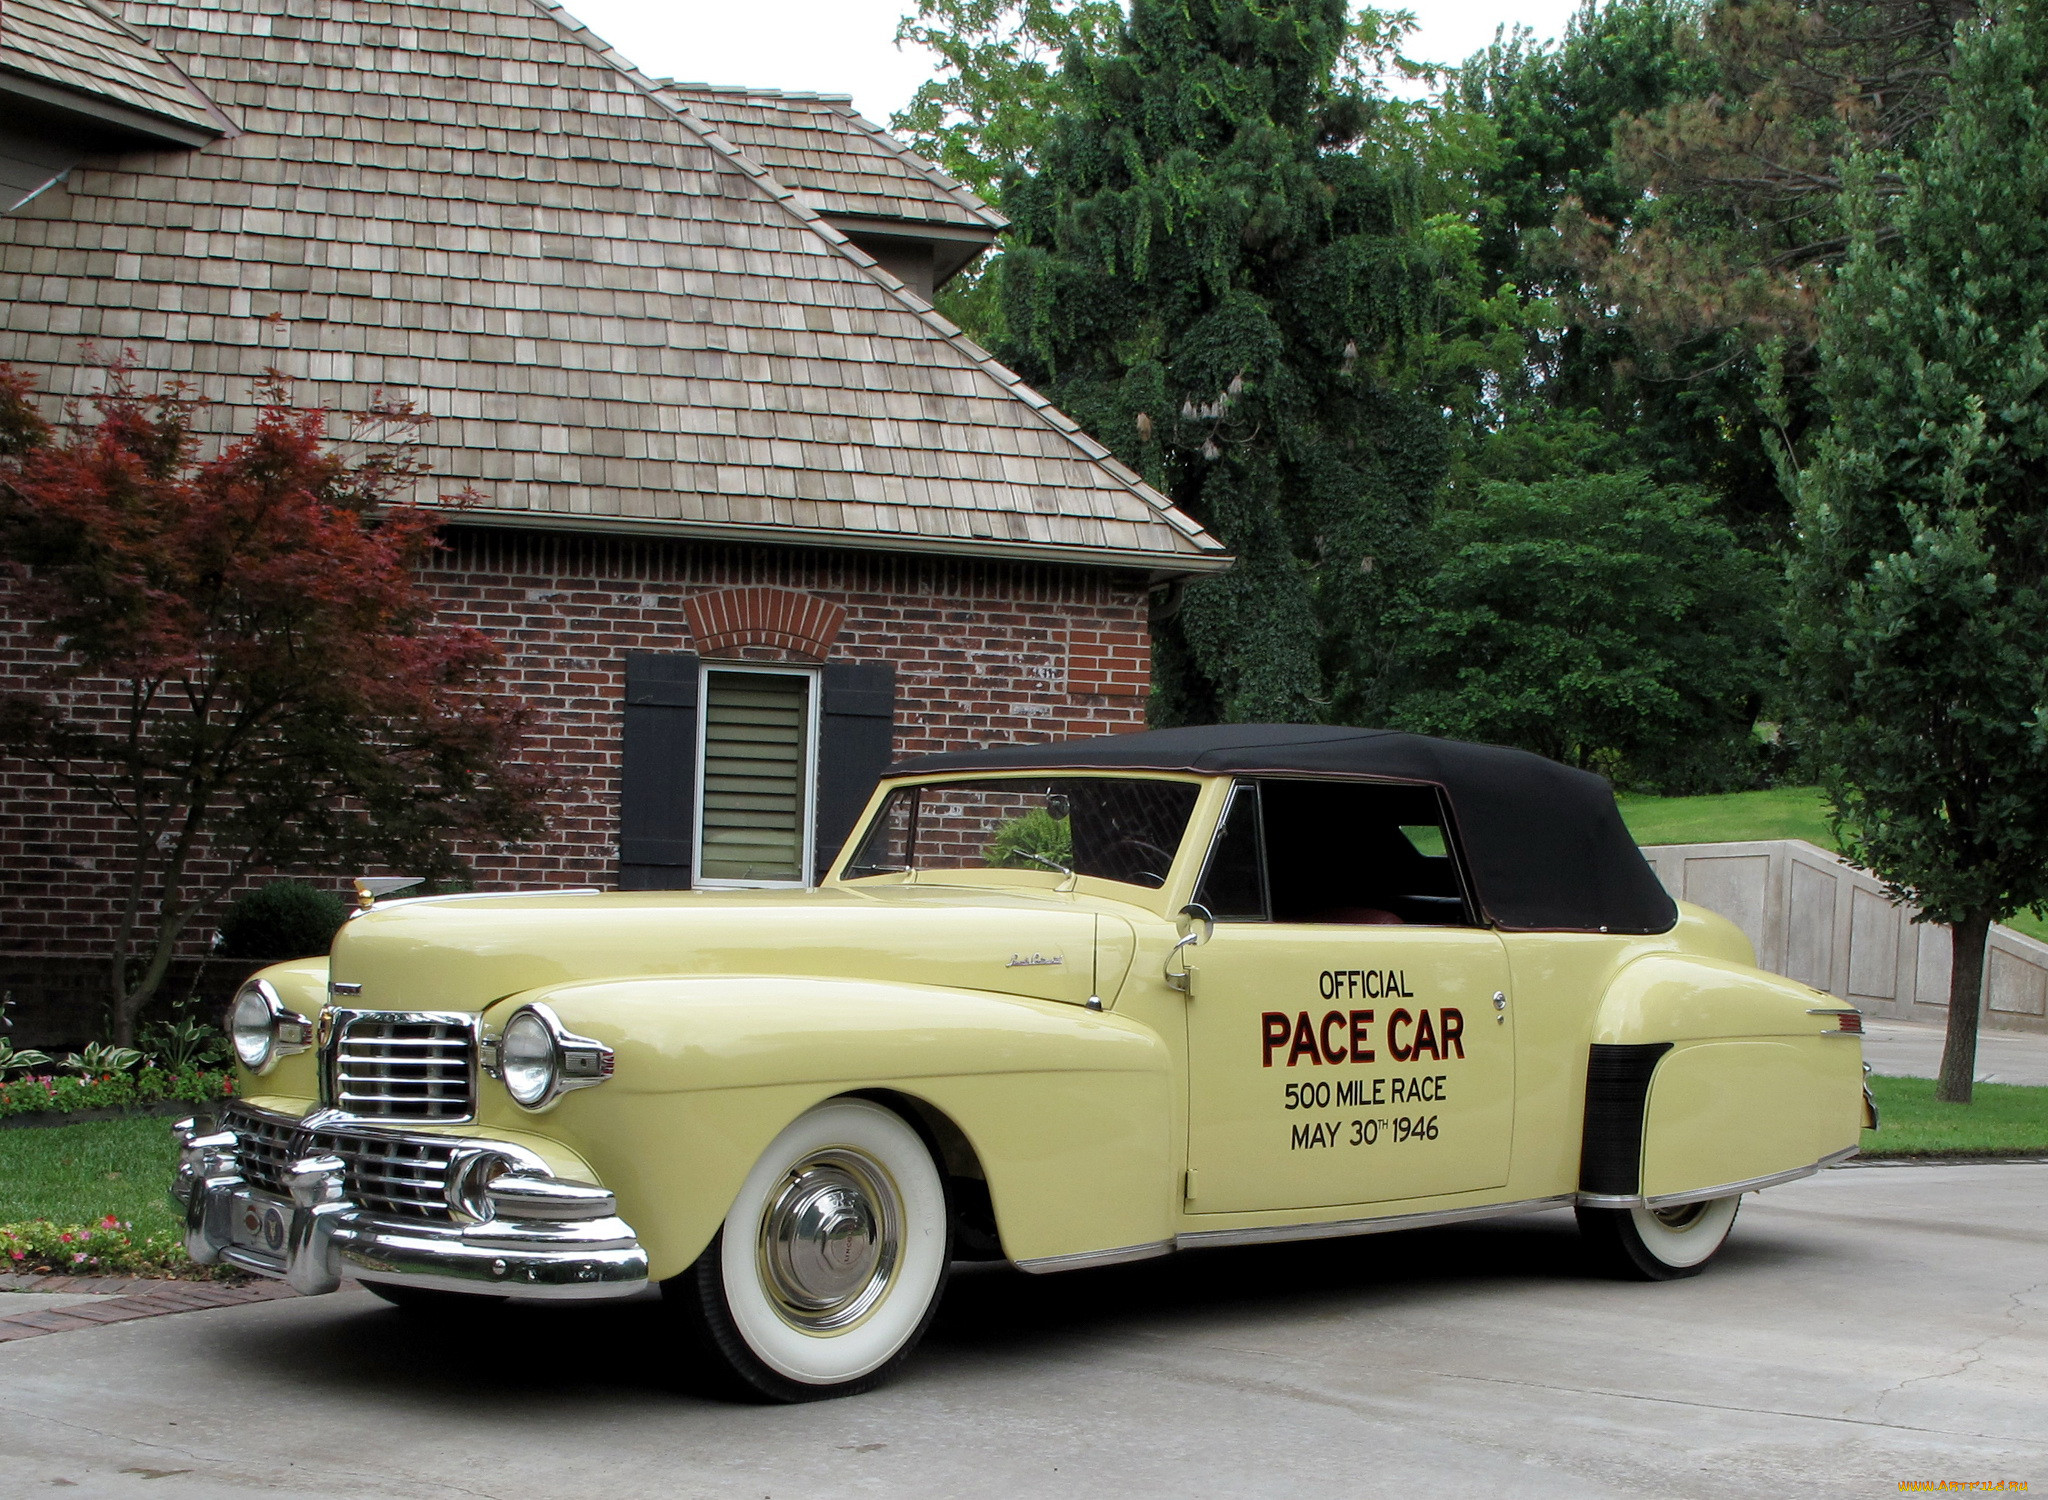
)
(844, 46)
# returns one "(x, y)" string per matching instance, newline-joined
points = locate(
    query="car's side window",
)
(1358, 853)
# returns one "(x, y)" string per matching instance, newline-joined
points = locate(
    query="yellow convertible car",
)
(1063, 1005)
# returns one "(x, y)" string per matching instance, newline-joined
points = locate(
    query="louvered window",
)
(758, 734)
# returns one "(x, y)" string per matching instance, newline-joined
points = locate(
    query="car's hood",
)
(465, 953)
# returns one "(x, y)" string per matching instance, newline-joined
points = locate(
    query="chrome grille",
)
(266, 1150)
(401, 1066)
(403, 1176)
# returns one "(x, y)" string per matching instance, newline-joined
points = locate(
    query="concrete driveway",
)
(1912, 1049)
(1869, 1326)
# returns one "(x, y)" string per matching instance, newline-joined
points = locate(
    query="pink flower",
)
(110, 1222)
(84, 1235)
(78, 1258)
(20, 1255)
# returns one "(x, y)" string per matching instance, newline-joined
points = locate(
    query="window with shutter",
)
(757, 773)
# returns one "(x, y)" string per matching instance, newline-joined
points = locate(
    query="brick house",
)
(755, 517)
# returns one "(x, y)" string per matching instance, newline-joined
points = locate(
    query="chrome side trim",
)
(1341, 1228)
(1045, 1265)
(1724, 1190)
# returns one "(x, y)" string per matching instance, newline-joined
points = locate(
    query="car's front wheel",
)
(1658, 1244)
(829, 1266)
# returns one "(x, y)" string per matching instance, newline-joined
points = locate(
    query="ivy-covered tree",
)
(1221, 271)
(1920, 580)
(241, 669)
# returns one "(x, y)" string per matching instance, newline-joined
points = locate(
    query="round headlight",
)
(527, 1059)
(252, 1023)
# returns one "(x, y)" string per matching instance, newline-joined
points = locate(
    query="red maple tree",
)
(246, 672)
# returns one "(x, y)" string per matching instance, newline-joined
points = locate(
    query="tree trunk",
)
(144, 986)
(1965, 1002)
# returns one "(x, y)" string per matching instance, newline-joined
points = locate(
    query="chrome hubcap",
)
(830, 1240)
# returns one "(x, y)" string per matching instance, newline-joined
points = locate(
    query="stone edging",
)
(163, 1297)
(1951, 1159)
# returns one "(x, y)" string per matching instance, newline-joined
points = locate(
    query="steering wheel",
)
(1146, 847)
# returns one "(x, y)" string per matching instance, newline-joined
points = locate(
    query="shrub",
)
(1035, 833)
(285, 919)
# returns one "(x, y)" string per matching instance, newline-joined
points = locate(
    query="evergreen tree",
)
(1219, 271)
(1920, 582)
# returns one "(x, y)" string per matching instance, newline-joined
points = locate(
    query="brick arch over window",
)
(728, 619)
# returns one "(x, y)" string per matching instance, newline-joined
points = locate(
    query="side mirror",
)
(1196, 925)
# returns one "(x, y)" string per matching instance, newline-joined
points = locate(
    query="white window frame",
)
(808, 808)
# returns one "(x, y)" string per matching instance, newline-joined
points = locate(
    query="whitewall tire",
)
(830, 1263)
(1658, 1244)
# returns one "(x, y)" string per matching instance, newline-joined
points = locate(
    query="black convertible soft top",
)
(1544, 844)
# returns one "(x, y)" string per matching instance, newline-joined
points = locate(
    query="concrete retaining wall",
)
(1822, 921)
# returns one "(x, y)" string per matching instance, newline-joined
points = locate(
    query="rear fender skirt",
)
(1725, 1190)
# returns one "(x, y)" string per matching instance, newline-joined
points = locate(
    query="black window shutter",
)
(658, 772)
(855, 743)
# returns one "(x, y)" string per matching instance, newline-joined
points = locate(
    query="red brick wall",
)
(986, 653)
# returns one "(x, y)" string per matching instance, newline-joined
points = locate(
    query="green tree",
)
(997, 80)
(1684, 410)
(1605, 621)
(1225, 275)
(1920, 581)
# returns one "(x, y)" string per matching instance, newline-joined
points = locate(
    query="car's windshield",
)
(1114, 828)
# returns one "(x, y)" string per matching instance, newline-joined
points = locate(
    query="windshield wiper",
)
(1050, 864)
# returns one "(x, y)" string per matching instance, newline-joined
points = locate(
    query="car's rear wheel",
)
(830, 1264)
(1658, 1244)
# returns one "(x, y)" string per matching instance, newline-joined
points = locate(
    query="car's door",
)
(1350, 1031)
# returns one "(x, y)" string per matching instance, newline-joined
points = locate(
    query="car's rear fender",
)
(1706, 1073)
(1066, 1109)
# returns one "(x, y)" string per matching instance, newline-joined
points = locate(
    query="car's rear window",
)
(1113, 828)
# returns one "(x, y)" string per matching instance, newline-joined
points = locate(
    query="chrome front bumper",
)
(315, 1236)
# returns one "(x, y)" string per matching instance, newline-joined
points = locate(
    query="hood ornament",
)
(370, 887)
(1035, 961)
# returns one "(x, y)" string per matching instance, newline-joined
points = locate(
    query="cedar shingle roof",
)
(77, 46)
(836, 161)
(617, 321)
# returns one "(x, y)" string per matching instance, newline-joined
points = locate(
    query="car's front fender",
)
(1067, 1110)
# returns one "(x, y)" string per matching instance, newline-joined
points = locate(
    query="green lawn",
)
(1785, 812)
(78, 1174)
(1999, 1117)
